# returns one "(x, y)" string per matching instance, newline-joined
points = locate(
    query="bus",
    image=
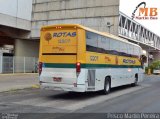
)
(76, 58)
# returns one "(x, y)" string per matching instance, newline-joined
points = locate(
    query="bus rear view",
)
(59, 68)
(76, 58)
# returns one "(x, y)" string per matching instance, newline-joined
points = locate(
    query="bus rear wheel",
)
(107, 86)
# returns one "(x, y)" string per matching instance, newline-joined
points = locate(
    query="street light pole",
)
(149, 56)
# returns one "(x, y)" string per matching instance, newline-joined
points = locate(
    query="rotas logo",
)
(65, 34)
(142, 12)
(48, 36)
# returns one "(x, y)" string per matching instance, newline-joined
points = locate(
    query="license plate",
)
(57, 79)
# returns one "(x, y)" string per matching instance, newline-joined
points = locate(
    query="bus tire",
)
(107, 86)
(135, 80)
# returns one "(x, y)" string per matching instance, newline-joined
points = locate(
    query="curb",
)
(36, 86)
(16, 74)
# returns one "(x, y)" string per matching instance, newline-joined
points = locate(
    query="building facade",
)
(15, 28)
(18, 51)
(102, 15)
(21, 20)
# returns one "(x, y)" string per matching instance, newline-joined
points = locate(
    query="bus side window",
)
(91, 41)
(136, 51)
(103, 44)
(130, 49)
(114, 47)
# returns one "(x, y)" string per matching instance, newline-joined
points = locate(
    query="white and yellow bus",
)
(76, 58)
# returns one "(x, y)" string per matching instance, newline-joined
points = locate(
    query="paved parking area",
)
(37, 100)
(143, 98)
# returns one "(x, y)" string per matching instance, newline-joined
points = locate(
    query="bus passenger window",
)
(104, 44)
(91, 41)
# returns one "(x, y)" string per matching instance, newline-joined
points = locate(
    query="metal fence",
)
(15, 64)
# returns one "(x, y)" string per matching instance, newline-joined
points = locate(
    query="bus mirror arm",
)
(143, 60)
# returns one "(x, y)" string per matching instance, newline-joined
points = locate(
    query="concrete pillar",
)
(27, 48)
(1, 61)
(148, 60)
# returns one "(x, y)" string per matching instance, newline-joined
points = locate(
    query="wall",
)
(16, 13)
(17, 8)
(27, 48)
(91, 13)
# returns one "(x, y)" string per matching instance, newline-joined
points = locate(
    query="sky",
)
(128, 6)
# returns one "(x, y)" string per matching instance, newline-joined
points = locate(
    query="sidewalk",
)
(10, 82)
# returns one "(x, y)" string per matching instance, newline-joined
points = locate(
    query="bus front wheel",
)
(135, 80)
(107, 86)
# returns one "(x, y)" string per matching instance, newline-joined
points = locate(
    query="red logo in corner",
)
(145, 13)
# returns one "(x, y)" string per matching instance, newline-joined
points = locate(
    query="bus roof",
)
(91, 30)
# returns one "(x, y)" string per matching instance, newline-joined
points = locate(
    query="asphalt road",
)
(144, 98)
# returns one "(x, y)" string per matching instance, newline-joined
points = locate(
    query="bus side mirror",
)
(143, 60)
